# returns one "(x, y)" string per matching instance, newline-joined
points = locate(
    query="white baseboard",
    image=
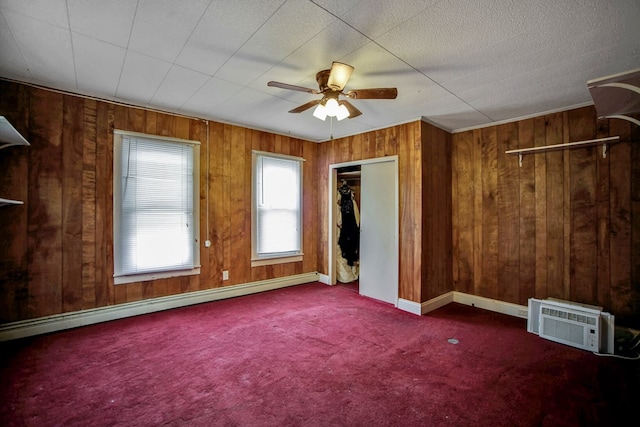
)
(437, 302)
(491, 304)
(59, 322)
(467, 299)
(323, 278)
(409, 306)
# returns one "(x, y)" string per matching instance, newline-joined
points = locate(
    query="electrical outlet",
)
(207, 243)
(225, 274)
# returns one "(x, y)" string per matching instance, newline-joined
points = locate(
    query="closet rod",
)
(569, 145)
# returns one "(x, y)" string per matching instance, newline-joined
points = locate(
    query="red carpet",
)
(310, 355)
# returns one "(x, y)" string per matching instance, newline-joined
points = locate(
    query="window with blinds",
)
(277, 213)
(155, 216)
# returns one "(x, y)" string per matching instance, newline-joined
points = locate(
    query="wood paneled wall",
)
(566, 224)
(56, 250)
(424, 168)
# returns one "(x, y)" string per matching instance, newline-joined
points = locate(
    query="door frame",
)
(333, 210)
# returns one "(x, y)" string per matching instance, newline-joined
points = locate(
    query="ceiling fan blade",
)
(353, 111)
(292, 87)
(339, 75)
(306, 106)
(378, 93)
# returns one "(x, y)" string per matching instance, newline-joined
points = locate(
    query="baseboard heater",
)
(578, 325)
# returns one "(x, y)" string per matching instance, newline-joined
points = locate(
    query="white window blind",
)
(155, 229)
(278, 212)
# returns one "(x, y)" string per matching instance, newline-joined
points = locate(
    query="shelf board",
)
(7, 202)
(9, 136)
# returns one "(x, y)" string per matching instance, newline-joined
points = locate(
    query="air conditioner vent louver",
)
(581, 326)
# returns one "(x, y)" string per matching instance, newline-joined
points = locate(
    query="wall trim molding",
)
(491, 304)
(409, 306)
(474, 301)
(323, 278)
(59, 322)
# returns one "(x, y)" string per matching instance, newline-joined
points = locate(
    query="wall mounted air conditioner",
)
(578, 325)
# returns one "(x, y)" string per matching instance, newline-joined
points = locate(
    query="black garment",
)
(349, 239)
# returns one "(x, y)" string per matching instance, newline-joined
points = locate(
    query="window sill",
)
(120, 280)
(280, 260)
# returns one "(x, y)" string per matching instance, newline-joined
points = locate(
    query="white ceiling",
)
(457, 63)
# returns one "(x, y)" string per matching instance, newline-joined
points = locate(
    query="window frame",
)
(282, 257)
(116, 210)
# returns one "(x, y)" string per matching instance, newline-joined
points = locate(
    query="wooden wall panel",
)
(508, 213)
(572, 236)
(527, 225)
(436, 254)
(45, 204)
(584, 255)
(489, 272)
(14, 167)
(72, 180)
(465, 206)
(57, 255)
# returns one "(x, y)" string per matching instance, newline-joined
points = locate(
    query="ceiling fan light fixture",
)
(332, 107)
(342, 113)
(320, 112)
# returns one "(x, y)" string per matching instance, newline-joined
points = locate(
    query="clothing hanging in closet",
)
(349, 240)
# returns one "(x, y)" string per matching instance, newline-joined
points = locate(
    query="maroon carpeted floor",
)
(310, 355)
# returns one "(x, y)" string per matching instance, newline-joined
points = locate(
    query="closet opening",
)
(371, 190)
(348, 227)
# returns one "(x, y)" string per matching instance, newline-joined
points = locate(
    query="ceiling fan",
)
(331, 85)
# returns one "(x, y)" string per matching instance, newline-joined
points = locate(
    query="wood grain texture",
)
(66, 180)
(436, 244)
(583, 193)
(489, 283)
(527, 211)
(72, 177)
(574, 214)
(508, 214)
(45, 204)
(466, 204)
(14, 164)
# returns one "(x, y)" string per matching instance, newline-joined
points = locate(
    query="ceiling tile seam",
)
(73, 53)
(233, 54)
(309, 40)
(173, 63)
(126, 52)
(24, 60)
(249, 38)
(213, 74)
(404, 61)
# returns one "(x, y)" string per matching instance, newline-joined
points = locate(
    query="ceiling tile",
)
(46, 49)
(98, 65)
(108, 21)
(296, 22)
(141, 77)
(11, 61)
(53, 12)
(224, 28)
(211, 95)
(162, 27)
(177, 87)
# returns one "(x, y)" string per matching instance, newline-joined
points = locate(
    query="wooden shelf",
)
(9, 137)
(7, 202)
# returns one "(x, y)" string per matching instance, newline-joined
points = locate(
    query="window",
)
(277, 212)
(155, 191)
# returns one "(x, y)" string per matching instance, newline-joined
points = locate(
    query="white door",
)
(378, 231)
